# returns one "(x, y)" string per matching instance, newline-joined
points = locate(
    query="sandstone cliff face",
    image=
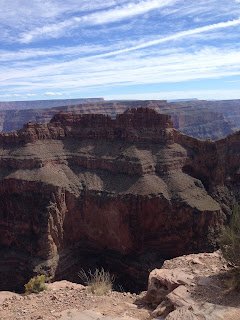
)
(118, 188)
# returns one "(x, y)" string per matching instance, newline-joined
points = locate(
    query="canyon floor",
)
(199, 292)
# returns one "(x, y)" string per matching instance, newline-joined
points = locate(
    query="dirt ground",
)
(62, 297)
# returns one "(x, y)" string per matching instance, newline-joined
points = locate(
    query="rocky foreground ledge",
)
(191, 287)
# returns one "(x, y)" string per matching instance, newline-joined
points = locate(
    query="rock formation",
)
(199, 119)
(92, 189)
(193, 287)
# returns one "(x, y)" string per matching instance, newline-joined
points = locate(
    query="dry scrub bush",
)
(230, 247)
(99, 282)
(36, 284)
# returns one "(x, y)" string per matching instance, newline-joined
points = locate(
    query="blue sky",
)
(118, 49)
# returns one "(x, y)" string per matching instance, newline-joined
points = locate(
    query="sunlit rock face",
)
(87, 186)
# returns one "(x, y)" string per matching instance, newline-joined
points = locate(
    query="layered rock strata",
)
(88, 189)
(198, 118)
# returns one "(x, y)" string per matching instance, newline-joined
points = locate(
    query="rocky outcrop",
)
(88, 190)
(200, 119)
(193, 287)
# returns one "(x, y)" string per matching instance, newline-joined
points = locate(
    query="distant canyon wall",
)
(200, 119)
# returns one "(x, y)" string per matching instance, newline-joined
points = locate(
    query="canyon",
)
(87, 190)
(44, 104)
(201, 119)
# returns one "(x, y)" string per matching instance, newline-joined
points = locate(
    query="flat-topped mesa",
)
(135, 125)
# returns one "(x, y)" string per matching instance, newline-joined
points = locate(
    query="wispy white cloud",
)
(81, 73)
(31, 94)
(115, 44)
(21, 13)
(19, 16)
(53, 94)
(39, 53)
(104, 17)
(74, 63)
(179, 35)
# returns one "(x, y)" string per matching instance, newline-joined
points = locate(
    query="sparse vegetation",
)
(36, 284)
(230, 247)
(99, 282)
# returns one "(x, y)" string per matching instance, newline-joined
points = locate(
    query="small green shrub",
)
(230, 247)
(99, 282)
(35, 284)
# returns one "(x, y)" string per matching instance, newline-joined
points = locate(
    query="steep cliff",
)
(88, 189)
